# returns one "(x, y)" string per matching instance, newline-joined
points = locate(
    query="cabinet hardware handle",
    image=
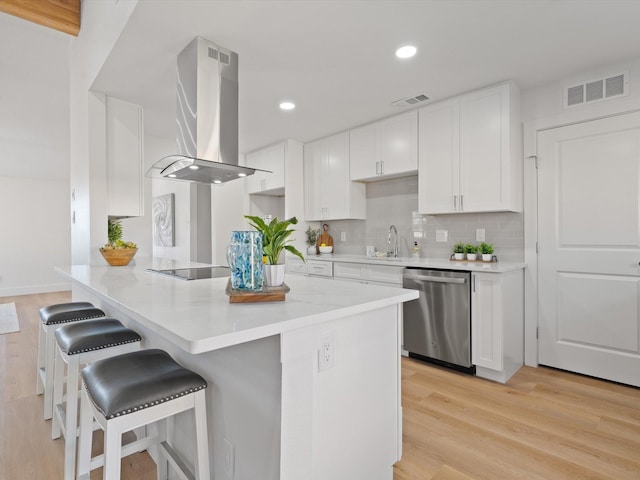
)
(474, 284)
(377, 166)
(455, 202)
(382, 167)
(461, 202)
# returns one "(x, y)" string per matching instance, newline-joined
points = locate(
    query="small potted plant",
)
(487, 251)
(458, 251)
(471, 251)
(117, 252)
(275, 237)
(312, 237)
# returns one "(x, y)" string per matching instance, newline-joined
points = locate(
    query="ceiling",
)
(335, 59)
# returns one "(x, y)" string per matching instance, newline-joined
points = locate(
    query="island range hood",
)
(206, 117)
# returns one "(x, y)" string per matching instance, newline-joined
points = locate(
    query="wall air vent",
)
(596, 90)
(213, 53)
(411, 101)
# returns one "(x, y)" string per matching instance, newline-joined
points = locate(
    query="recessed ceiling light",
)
(194, 167)
(407, 51)
(217, 181)
(287, 106)
(173, 175)
(242, 174)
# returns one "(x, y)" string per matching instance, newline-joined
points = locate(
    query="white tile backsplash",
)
(395, 202)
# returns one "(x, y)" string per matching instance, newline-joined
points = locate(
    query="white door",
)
(589, 248)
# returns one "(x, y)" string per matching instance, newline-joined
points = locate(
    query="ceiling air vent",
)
(596, 90)
(411, 101)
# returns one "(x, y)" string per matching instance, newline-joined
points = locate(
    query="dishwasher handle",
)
(430, 278)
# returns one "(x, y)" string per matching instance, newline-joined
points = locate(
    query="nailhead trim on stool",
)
(136, 389)
(52, 317)
(81, 343)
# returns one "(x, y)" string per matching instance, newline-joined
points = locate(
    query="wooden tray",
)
(267, 294)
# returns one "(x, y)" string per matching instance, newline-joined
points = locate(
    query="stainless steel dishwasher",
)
(437, 326)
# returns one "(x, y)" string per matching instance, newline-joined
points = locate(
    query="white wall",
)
(34, 157)
(34, 235)
(102, 23)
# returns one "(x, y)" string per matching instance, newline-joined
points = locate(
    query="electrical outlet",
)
(479, 234)
(229, 459)
(343, 236)
(326, 357)
(442, 235)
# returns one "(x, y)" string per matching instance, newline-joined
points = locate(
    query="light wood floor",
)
(544, 424)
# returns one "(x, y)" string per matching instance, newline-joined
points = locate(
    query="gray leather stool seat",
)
(69, 312)
(135, 389)
(52, 317)
(95, 335)
(128, 383)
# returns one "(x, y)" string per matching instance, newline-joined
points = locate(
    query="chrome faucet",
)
(392, 252)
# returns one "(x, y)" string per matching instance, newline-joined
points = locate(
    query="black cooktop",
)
(197, 273)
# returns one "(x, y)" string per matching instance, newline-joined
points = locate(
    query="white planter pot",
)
(458, 256)
(471, 256)
(486, 257)
(273, 275)
(311, 250)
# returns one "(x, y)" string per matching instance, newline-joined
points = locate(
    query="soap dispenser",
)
(415, 250)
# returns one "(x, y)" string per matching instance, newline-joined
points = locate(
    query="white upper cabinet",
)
(271, 158)
(124, 159)
(385, 149)
(328, 192)
(470, 153)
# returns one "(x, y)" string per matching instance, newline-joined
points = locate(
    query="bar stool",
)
(54, 316)
(79, 344)
(136, 389)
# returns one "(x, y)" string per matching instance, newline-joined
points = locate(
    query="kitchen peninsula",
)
(274, 408)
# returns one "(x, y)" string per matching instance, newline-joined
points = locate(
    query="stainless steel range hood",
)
(206, 117)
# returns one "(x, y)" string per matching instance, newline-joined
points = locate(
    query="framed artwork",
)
(163, 220)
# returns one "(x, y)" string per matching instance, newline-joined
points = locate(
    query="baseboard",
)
(32, 289)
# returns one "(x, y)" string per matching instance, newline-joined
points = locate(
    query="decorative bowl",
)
(326, 249)
(118, 257)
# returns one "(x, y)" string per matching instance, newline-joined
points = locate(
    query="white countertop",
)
(196, 315)
(445, 263)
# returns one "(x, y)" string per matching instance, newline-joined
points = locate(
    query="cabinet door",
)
(363, 153)
(399, 145)
(270, 159)
(314, 160)
(438, 167)
(124, 159)
(335, 180)
(484, 150)
(486, 321)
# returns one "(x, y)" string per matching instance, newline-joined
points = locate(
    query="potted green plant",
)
(458, 251)
(487, 251)
(117, 252)
(312, 237)
(275, 238)
(471, 251)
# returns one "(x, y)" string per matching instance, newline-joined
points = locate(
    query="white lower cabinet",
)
(497, 324)
(368, 273)
(295, 265)
(319, 267)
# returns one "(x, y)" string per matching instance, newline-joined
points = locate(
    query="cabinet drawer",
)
(295, 265)
(316, 267)
(349, 270)
(386, 274)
